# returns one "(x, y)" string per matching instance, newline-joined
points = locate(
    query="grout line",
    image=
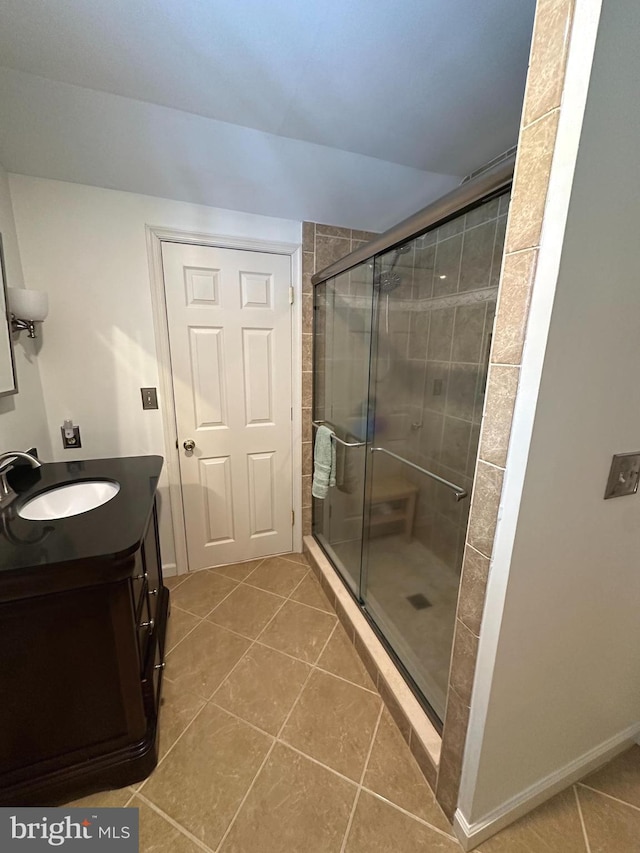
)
(582, 823)
(253, 642)
(555, 109)
(127, 805)
(609, 796)
(286, 654)
(175, 824)
(492, 465)
(408, 813)
(350, 821)
(173, 745)
(183, 579)
(237, 584)
(190, 631)
(520, 251)
(362, 775)
(317, 761)
(221, 574)
(347, 680)
(246, 796)
(271, 748)
(286, 556)
(271, 592)
(304, 684)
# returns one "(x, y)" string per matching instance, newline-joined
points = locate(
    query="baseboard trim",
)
(169, 570)
(471, 834)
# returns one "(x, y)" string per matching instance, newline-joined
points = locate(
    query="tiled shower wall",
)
(439, 332)
(543, 96)
(321, 246)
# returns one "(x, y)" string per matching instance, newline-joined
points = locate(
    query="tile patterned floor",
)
(273, 739)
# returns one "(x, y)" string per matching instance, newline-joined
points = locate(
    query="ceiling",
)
(264, 98)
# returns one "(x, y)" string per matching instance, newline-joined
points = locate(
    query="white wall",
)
(22, 417)
(87, 247)
(565, 675)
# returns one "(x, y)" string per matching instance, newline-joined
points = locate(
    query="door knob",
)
(189, 445)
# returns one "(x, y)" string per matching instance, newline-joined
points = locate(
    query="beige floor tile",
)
(180, 623)
(620, 778)
(295, 805)
(310, 592)
(202, 781)
(202, 591)
(104, 799)
(262, 688)
(297, 558)
(178, 708)
(157, 835)
(334, 722)
(611, 827)
(174, 581)
(203, 660)
(341, 658)
(247, 610)
(237, 571)
(554, 827)
(278, 575)
(299, 630)
(380, 828)
(393, 773)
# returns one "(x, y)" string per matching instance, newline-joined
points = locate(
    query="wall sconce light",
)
(27, 307)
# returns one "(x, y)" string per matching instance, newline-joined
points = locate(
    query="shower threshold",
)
(416, 727)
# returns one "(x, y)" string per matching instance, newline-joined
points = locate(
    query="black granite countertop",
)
(106, 535)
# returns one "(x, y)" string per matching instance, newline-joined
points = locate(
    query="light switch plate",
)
(149, 398)
(623, 476)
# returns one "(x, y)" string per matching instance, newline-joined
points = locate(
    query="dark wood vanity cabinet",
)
(80, 679)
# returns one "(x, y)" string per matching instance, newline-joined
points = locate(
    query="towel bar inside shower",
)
(460, 493)
(317, 424)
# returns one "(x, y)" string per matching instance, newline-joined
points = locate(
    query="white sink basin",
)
(69, 499)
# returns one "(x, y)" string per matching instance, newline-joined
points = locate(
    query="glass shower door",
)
(434, 304)
(342, 341)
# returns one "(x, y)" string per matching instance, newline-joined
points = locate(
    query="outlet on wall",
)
(70, 437)
(623, 476)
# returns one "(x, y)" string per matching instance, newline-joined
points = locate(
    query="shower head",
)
(387, 280)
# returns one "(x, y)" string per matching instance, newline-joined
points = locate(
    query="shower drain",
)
(419, 601)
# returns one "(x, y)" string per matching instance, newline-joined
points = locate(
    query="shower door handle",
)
(460, 493)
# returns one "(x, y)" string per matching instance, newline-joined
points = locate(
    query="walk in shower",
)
(401, 348)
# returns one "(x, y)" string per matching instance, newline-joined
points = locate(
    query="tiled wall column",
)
(321, 246)
(535, 153)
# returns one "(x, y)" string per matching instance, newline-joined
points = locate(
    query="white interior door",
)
(230, 338)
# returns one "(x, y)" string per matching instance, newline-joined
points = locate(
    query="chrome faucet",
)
(6, 459)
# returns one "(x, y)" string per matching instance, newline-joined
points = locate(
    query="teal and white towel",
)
(324, 462)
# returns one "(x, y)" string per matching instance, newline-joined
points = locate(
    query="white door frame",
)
(155, 236)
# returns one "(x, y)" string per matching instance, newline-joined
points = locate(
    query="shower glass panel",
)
(342, 341)
(401, 346)
(434, 305)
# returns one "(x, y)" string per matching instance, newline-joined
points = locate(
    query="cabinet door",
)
(69, 679)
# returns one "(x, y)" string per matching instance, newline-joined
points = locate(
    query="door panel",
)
(230, 338)
(342, 343)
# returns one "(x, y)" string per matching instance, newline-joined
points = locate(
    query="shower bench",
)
(400, 495)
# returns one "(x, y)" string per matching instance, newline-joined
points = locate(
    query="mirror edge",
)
(7, 312)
